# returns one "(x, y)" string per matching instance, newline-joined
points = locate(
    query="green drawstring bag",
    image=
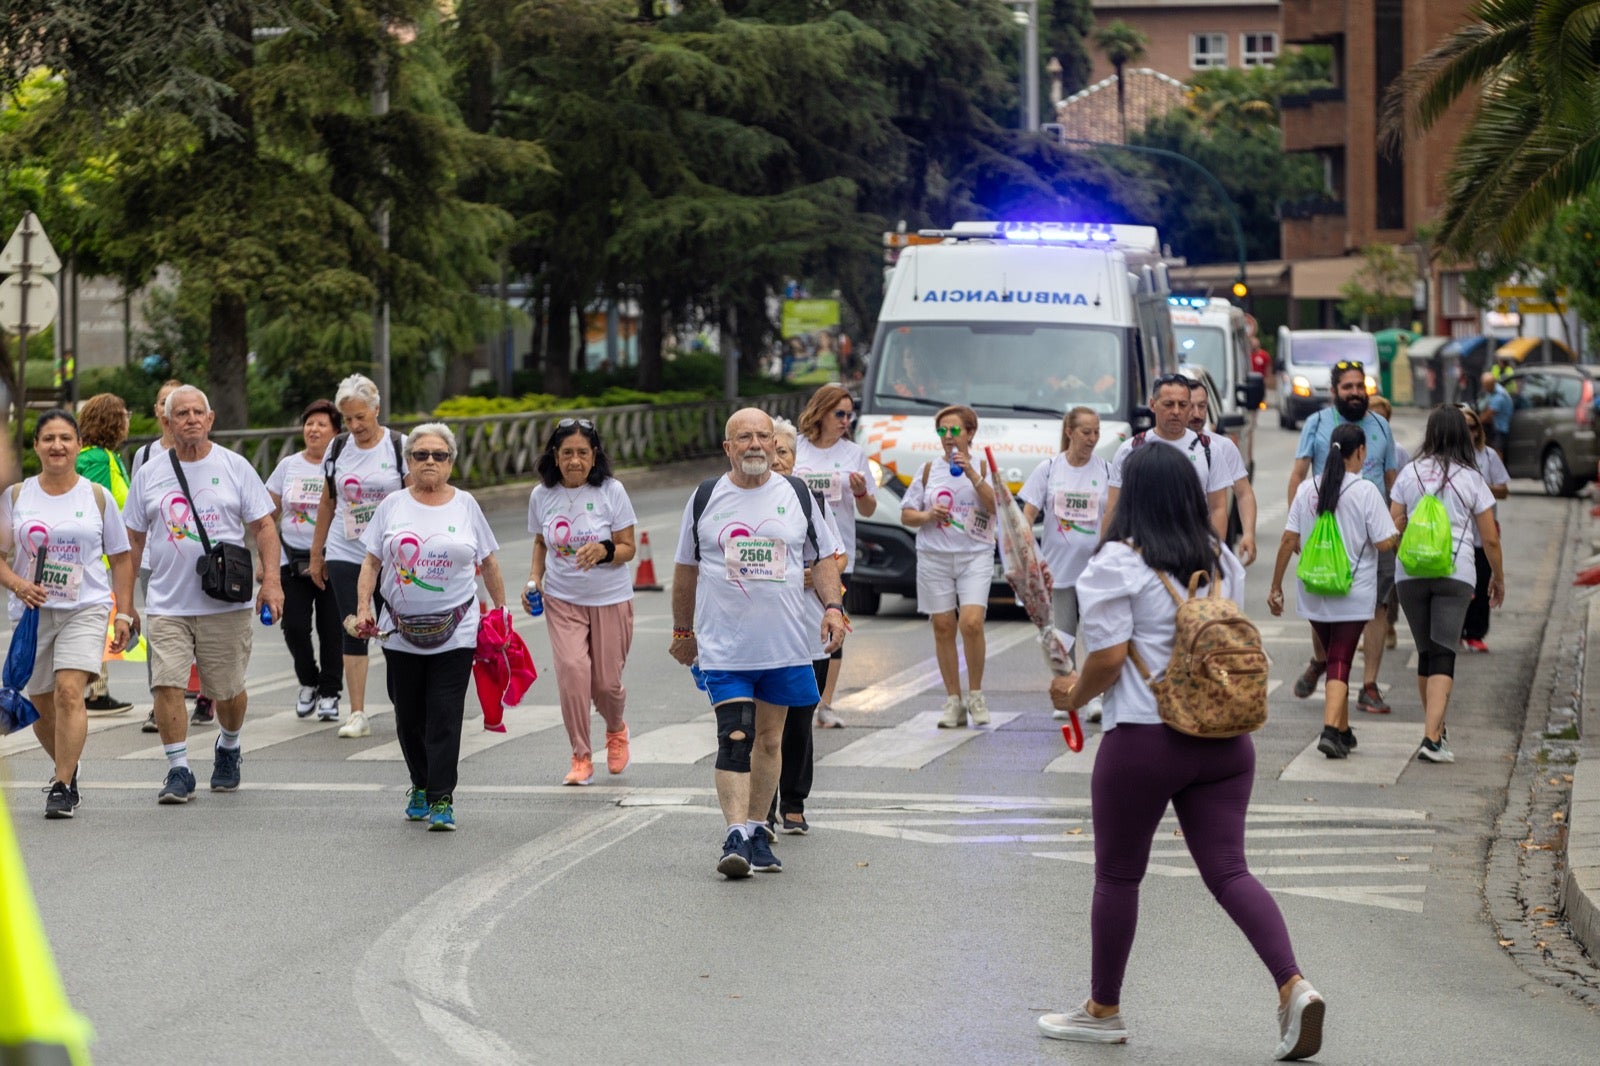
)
(1324, 568)
(1426, 547)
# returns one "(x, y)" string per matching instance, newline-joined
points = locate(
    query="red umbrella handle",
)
(1072, 732)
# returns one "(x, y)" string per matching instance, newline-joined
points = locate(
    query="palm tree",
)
(1122, 45)
(1533, 144)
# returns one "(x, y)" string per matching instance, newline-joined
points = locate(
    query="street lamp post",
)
(1026, 12)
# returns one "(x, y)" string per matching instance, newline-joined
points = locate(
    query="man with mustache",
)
(738, 619)
(1349, 386)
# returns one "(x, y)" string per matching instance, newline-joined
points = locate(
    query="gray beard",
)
(750, 467)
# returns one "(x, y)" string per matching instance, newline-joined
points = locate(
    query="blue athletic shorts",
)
(783, 686)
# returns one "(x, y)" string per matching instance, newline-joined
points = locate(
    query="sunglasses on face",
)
(582, 423)
(845, 416)
(422, 456)
(949, 431)
(1350, 364)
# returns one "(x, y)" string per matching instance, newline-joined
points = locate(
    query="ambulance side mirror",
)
(1251, 392)
(1142, 420)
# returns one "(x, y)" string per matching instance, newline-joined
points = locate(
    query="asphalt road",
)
(940, 904)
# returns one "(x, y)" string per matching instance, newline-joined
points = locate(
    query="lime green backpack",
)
(1427, 547)
(1324, 568)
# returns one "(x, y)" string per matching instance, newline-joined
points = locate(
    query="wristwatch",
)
(833, 607)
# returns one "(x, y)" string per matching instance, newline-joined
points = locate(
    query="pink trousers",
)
(590, 647)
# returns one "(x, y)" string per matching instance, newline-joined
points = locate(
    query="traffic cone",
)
(644, 575)
(37, 1024)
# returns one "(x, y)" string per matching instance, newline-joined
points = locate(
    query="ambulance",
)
(1214, 334)
(1020, 321)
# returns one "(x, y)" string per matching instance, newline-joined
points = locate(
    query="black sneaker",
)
(150, 723)
(72, 787)
(205, 711)
(58, 804)
(1349, 738)
(107, 704)
(761, 857)
(735, 861)
(1331, 744)
(1432, 751)
(794, 828)
(179, 786)
(225, 767)
(1306, 683)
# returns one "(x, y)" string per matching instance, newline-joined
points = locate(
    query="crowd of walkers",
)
(360, 536)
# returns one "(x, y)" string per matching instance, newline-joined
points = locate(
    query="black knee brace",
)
(737, 716)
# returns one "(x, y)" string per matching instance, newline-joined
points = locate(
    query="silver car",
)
(1552, 434)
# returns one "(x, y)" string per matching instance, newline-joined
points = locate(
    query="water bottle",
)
(532, 600)
(955, 469)
(266, 614)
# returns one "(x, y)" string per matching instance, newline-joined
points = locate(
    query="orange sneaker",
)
(582, 771)
(617, 750)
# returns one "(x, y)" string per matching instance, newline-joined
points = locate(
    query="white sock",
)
(228, 740)
(177, 755)
(741, 829)
(751, 827)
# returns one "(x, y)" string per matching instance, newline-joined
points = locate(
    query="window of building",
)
(1258, 49)
(1208, 50)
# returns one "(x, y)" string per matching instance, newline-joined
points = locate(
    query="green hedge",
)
(476, 406)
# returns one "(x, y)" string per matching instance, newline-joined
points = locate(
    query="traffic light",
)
(1240, 289)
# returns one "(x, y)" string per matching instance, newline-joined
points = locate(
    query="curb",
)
(1580, 888)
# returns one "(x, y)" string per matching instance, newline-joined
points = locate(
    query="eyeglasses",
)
(845, 416)
(1350, 364)
(581, 423)
(949, 431)
(422, 456)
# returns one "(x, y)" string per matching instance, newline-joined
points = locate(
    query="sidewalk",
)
(1580, 888)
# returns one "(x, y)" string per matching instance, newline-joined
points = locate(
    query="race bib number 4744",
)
(756, 559)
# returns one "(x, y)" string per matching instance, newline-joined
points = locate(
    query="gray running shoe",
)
(1300, 1023)
(1079, 1025)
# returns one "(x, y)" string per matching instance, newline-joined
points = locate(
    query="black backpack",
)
(702, 497)
(1204, 441)
(330, 462)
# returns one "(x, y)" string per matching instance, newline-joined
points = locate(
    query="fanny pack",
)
(226, 570)
(297, 560)
(431, 630)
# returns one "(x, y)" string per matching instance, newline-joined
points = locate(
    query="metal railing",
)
(493, 449)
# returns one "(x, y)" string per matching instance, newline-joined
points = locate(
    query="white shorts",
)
(71, 638)
(947, 580)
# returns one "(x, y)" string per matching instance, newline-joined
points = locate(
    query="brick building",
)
(1188, 36)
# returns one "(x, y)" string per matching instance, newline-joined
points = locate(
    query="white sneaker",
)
(1061, 716)
(328, 709)
(955, 713)
(1079, 1025)
(978, 708)
(1094, 710)
(826, 719)
(306, 702)
(356, 727)
(1300, 1022)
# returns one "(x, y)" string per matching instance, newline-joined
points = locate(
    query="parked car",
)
(1552, 434)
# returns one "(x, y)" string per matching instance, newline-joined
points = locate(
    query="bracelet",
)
(833, 607)
(858, 495)
(128, 618)
(682, 634)
(611, 550)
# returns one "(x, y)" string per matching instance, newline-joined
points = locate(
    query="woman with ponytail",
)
(1366, 528)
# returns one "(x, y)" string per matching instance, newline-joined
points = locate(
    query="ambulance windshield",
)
(1205, 346)
(1000, 367)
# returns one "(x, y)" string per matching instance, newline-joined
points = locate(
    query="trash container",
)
(1389, 341)
(1435, 371)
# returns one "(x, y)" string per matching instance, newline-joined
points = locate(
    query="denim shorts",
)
(783, 686)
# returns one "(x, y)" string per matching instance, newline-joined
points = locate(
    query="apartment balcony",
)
(1312, 21)
(1312, 229)
(1313, 120)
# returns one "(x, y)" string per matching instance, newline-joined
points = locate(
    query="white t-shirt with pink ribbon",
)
(298, 482)
(969, 528)
(70, 532)
(429, 557)
(362, 478)
(568, 519)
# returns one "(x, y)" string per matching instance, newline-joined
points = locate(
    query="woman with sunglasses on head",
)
(951, 506)
(1493, 469)
(582, 524)
(296, 487)
(1070, 488)
(1366, 530)
(1436, 607)
(835, 467)
(1154, 542)
(365, 464)
(54, 528)
(425, 546)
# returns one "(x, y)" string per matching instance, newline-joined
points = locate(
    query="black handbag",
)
(226, 571)
(297, 560)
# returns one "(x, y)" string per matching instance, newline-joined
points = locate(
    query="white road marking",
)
(914, 680)
(259, 733)
(1077, 762)
(1384, 750)
(910, 745)
(682, 744)
(1385, 896)
(519, 722)
(24, 740)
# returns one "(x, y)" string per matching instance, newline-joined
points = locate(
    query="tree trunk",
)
(1122, 107)
(227, 368)
(558, 353)
(652, 334)
(752, 326)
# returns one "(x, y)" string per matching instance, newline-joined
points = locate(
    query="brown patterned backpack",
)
(1216, 682)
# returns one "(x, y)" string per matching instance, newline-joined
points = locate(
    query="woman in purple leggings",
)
(1163, 525)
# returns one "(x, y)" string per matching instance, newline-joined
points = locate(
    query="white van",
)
(1214, 334)
(1021, 322)
(1305, 362)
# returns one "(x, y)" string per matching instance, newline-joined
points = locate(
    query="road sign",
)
(1525, 292)
(42, 303)
(1533, 306)
(29, 249)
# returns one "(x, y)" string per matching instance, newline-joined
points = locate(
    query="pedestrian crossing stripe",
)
(519, 723)
(910, 745)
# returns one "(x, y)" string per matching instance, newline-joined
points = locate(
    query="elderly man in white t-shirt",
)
(219, 490)
(1171, 403)
(739, 617)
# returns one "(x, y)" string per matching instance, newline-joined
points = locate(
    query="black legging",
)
(794, 779)
(1476, 627)
(429, 693)
(343, 578)
(301, 598)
